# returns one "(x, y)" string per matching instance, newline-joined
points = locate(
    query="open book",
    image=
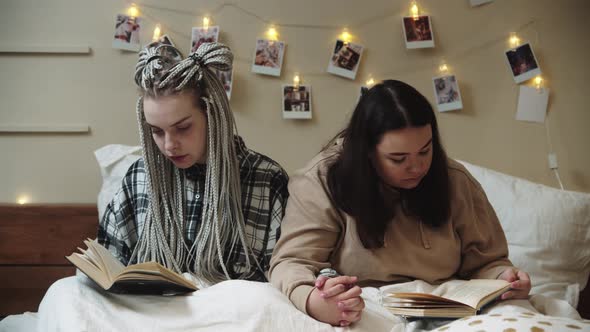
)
(452, 299)
(145, 278)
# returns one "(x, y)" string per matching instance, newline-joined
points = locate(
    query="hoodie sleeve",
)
(310, 231)
(484, 250)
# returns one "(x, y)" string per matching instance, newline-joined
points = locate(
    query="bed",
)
(548, 231)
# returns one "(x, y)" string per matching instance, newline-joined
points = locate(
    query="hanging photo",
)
(522, 63)
(127, 33)
(418, 32)
(202, 35)
(268, 57)
(226, 79)
(532, 104)
(345, 59)
(296, 102)
(447, 94)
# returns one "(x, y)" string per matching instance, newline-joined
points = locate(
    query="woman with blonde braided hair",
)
(198, 200)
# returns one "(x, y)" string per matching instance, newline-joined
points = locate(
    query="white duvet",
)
(77, 304)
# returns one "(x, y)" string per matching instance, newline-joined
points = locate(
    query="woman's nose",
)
(170, 143)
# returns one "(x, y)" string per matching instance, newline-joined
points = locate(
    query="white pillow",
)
(114, 161)
(548, 231)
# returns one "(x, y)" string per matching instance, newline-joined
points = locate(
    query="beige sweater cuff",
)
(299, 296)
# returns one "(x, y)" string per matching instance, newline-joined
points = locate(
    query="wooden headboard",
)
(34, 239)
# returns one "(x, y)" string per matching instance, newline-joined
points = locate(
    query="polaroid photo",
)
(226, 79)
(296, 102)
(532, 104)
(127, 30)
(479, 2)
(522, 63)
(202, 35)
(447, 94)
(345, 59)
(268, 57)
(418, 32)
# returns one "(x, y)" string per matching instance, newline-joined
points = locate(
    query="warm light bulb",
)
(538, 82)
(345, 36)
(22, 200)
(206, 22)
(514, 40)
(133, 11)
(370, 82)
(414, 11)
(443, 68)
(157, 32)
(272, 33)
(296, 80)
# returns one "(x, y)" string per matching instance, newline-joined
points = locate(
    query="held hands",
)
(520, 282)
(336, 301)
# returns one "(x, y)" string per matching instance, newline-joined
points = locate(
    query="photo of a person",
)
(418, 32)
(345, 59)
(447, 94)
(296, 102)
(522, 63)
(127, 33)
(202, 35)
(268, 57)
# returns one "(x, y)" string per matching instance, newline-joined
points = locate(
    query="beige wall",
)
(97, 89)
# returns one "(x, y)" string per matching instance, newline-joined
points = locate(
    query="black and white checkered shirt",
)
(264, 198)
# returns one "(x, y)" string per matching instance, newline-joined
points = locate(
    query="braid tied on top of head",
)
(161, 71)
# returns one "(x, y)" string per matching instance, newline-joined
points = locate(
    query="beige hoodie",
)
(316, 235)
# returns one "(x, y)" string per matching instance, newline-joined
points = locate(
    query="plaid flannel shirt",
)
(264, 198)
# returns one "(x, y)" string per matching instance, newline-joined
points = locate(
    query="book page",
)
(112, 266)
(90, 270)
(472, 292)
(153, 271)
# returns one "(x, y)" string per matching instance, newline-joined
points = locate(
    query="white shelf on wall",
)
(55, 49)
(45, 128)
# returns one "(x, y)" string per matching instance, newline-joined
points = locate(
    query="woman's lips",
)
(178, 159)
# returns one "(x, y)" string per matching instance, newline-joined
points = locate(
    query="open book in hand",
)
(102, 267)
(452, 299)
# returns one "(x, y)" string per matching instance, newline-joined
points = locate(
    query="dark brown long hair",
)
(353, 182)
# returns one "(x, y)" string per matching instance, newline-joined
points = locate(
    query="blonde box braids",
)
(161, 71)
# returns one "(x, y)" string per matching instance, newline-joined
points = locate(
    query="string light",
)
(206, 22)
(345, 36)
(370, 82)
(539, 82)
(514, 40)
(157, 32)
(23, 199)
(272, 33)
(443, 68)
(296, 81)
(414, 10)
(133, 11)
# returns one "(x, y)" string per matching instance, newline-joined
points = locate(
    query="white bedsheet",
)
(77, 304)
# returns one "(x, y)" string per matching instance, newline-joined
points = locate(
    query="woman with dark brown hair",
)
(383, 204)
